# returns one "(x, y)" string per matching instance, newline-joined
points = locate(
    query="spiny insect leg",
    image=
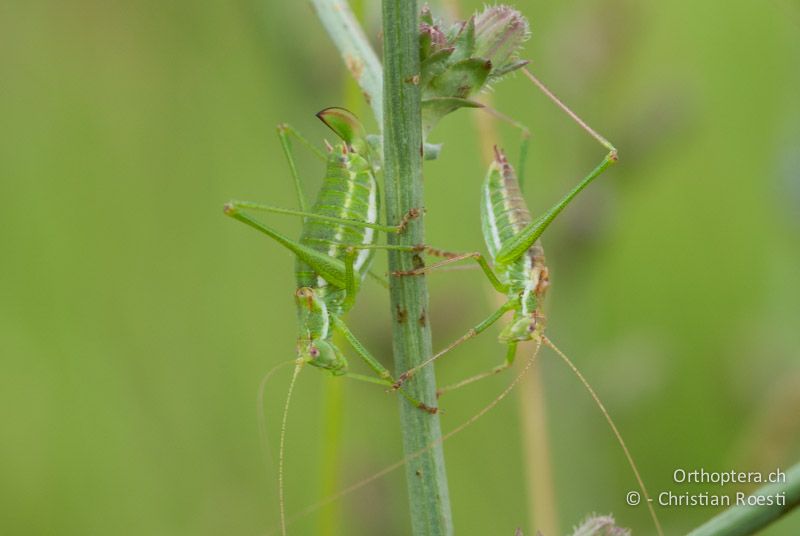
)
(509, 360)
(473, 332)
(384, 376)
(513, 249)
(249, 205)
(456, 257)
(558, 102)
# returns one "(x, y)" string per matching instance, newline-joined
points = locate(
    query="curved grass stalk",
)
(743, 520)
(358, 55)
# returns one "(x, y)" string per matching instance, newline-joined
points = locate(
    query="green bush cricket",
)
(517, 269)
(336, 246)
(333, 254)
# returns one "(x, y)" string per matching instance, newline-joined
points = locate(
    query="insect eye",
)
(314, 352)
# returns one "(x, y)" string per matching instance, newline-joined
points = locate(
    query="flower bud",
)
(595, 525)
(459, 62)
(500, 32)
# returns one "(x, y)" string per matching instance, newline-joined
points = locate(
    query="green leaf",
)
(509, 67)
(461, 79)
(434, 65)
(464, 41)
(435, 108)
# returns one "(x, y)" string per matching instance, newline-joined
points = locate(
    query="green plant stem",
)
(362, 62)
(411, 342)
(329, 519)
(742, 520)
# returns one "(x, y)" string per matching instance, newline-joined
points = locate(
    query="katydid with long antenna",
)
(511, 235)
(333, 256)
(336, 246)
(520, 273)
(512, 238)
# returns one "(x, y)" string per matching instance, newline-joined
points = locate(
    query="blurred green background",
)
(136, 322)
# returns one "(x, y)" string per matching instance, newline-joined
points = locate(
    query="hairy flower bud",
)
(600, 526)
(499, 34)
(459, 62)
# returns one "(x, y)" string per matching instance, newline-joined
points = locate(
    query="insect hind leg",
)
(473, 332)
(384, 377)
(509, 360)
(451, 258)
(558, 102)
(260, 207)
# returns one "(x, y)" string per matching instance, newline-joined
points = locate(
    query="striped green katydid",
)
(512, 239)
(333, 255)
(519, 272)
(336, 246)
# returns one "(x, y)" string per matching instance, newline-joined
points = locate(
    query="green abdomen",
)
(504, 214)
(349, 191)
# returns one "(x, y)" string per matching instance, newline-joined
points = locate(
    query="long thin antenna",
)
(262, 418)
(592, 132)
(613, 426)
(281, 499)
(396, 465)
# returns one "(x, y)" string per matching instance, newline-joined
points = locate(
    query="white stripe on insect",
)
(530, 283)
(369, 233)
(348, 199)
(326, 317)
(492, 219)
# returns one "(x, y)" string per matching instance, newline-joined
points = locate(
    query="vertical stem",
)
(329, 519)
(402, 127)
